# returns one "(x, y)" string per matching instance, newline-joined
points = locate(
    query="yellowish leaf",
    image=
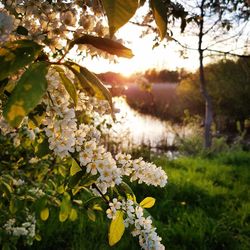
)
(75, 168)
(38, 237)
(131, 197)
(91, 214)
(44, 214)
(148, 202)
(73, 214)
(119, 12)
(97, 207)
(63, 216)
(60, 189)
(116, 228)
(69, 86)
(159, 15)
(65, 208)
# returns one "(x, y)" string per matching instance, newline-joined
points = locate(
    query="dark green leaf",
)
(27, 94)
(125, 190)
(15, 55)
(43, 148)
(105, 44)
(75, 179)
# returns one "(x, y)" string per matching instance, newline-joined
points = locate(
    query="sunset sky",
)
(168, 57)
(144, 56)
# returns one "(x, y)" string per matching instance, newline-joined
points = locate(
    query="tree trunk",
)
(203, 87)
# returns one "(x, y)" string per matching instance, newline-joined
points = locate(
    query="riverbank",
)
(206, 205)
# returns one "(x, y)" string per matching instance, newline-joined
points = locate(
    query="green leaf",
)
(119, 12)
(17, 54)
(73, 181)
(105, 44)
(75, 168)
(6, 188)
(88, 180)
(116, 228)
(148, 202)
(69, 86)
(13, 206)
(6, 246)
(90, 80)
(126, 190)
(42, 149)
(65, 208)
(27, 93)
(40, 204)
(44, 214)
(158, 9)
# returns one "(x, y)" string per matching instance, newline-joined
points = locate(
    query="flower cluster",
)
(142, 171)
(141, 225)
(71, 124)
(27, 229)
(66, 137)
(53, 24)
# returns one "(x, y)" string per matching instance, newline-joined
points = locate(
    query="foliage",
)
(205, 206)
(52, 112)
(207, 202)
(227, 83)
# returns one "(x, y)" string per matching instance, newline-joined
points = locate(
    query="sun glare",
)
(144, 56)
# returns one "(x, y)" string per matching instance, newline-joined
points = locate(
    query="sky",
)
(162, 57)
(144, 56)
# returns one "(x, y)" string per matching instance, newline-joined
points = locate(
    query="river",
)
(142, 128)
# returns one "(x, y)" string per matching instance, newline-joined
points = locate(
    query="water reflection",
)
(142, 128)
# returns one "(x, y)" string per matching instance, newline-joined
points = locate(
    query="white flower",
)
(16, 141)
(18, 182)
(34, 160)
(85, 157)
(92, 168)
(68, 18)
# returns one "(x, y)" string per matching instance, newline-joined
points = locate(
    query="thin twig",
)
(100, 192)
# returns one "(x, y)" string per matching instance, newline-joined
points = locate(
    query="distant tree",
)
(227, 84)
(215, 23)
(156, 76)
(212, 22)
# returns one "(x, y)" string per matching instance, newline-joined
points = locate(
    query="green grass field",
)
(206, 205)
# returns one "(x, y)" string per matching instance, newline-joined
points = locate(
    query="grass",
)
(206, 205)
